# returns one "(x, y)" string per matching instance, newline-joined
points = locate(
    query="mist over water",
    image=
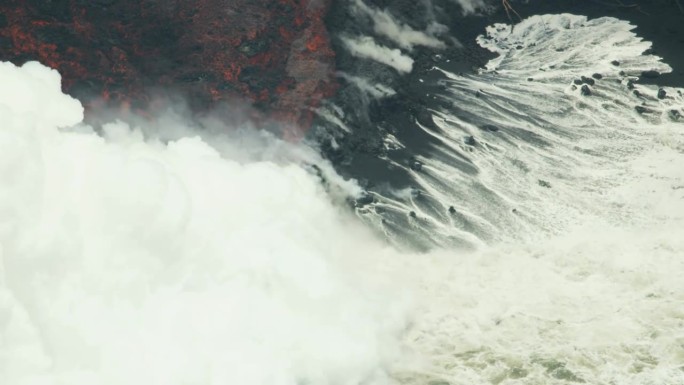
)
(147, 253)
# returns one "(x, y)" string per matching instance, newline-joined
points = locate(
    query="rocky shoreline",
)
(272, 55)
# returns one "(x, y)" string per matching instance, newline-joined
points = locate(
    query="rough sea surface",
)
(548, 208)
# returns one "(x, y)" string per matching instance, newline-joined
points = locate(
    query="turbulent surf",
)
(540, 240)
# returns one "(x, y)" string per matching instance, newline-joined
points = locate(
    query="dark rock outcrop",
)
(272, 54)
(586, 91)
(662, 94)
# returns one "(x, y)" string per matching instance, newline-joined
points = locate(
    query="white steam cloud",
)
(366, 48)
(126, 259)
(130, 261)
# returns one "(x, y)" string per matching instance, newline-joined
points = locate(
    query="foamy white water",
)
(127, 261)
(586, 284)
(124, 260)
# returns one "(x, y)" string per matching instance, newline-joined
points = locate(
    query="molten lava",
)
(275, 54)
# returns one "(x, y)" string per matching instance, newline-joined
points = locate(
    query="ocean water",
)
(153, 252)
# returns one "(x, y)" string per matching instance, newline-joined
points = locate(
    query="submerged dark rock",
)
(586, 91)
(587, 80)
(416, 166)
(544, 183)
(642, 110)
(662, 94)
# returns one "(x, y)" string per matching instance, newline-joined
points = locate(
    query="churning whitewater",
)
(158, 253)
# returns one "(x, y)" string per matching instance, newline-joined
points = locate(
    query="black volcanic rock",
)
(365, 199)
(272, 53)
(490, 128)
(544, 183)
(642, 110)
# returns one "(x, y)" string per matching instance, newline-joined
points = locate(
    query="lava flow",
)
(273, 54)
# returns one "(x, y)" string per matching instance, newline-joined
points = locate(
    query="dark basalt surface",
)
(273, 54)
